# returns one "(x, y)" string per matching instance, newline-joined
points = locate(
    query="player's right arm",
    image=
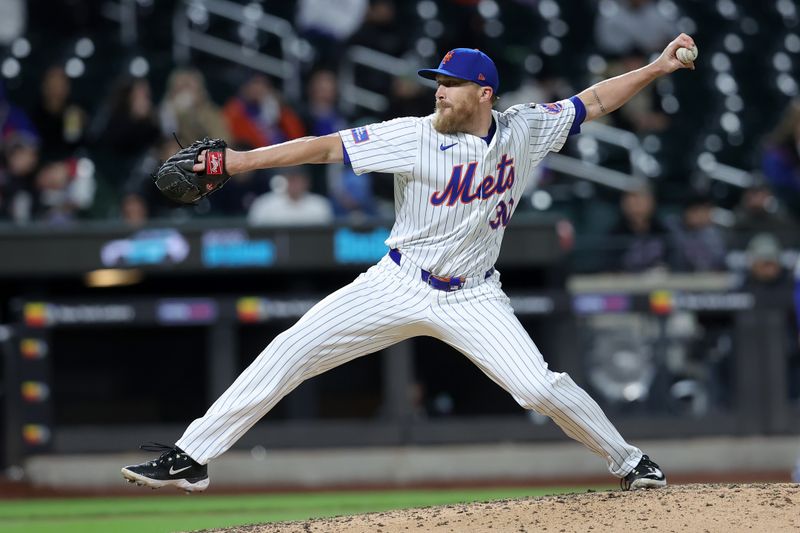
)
(608, 95)
(551, 123)
(325, 149)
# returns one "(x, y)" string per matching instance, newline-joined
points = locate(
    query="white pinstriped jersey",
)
(454, 194)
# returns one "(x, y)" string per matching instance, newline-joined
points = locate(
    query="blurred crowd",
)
(63, 160)
(54, 154)
(690, 240)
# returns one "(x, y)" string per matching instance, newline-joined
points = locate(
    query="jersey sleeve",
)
(550, 124)
(389, 146)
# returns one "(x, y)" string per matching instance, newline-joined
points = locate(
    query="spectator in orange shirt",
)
(257, 116)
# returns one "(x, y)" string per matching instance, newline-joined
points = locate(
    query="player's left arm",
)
(609, 95)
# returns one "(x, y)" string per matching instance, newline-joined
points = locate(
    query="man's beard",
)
(455, 120)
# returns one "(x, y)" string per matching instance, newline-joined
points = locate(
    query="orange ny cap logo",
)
(447, 57)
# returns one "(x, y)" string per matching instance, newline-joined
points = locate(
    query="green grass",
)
(168, 512)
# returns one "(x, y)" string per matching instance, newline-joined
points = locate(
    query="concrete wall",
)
(408, 466)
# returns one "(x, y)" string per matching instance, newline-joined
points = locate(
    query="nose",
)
(440, 92)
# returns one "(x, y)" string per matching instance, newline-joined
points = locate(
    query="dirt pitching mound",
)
(754, 508)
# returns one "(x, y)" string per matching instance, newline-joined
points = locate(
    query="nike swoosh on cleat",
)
(173, 472)
(442, 147)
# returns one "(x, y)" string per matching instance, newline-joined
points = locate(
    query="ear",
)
(486, 94)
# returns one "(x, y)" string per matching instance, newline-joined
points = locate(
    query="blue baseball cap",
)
(466, 64)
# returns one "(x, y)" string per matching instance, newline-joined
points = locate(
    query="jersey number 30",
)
(503, 212)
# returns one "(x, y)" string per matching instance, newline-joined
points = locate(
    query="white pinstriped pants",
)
(383, 306)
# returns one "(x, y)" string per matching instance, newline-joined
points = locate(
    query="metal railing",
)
(592, 172)
(642, 163)
(722, 172)
(187, 38)
(352, 94)
(123, 12)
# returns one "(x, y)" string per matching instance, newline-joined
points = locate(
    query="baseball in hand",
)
(686, 55)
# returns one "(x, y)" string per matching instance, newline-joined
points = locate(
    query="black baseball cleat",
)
(173, 467)
(646, 475)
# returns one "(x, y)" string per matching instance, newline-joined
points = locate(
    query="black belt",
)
(437, 282)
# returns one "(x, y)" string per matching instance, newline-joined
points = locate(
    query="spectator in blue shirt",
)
(13, 119)
(698, 245)
(781, 158)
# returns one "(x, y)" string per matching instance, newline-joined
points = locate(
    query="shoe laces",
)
(166, 451)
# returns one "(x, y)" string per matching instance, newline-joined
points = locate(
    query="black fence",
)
(100, 375)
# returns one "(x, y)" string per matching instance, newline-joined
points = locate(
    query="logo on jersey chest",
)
(460, 187)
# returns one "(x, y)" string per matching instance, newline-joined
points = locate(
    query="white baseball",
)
(686, 55)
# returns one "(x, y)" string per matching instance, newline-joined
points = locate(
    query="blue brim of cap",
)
(430, 73)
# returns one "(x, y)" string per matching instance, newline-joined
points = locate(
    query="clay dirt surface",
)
(703, 508)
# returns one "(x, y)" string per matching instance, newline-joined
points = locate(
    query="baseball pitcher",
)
(459, 175)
